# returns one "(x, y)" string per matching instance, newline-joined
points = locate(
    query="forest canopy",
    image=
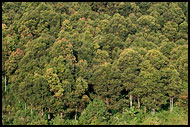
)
(92, 63)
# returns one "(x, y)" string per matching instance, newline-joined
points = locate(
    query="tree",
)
(62, 69)
(179, 60)
(95, 113)
(166, 48)
(151, 79)
(125, 9)
(128, 65)
(182, 32)
(109, 43)
(143, 6)
(86, 52)
(170, 30)
(9, 10)
(43, 23)
(146, 23)
(117, 26)
(173, 83)
(31, 61)
(157, 10)
(174, 13)
(12, 62)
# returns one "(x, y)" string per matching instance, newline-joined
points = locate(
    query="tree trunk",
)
(107, 102)
(31, 109)
(144, 109)
(61, 115)
(171, 104)
(42, 112)
(153, 109)
(49, 114)
(131, 102)
(76, 114)
(139, 105)
(5, 83)
(25, 107)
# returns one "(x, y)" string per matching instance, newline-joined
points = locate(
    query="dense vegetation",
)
(94, 63)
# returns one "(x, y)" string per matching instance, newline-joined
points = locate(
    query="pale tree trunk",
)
(25, 107)
(153, 109)
(5, 83)
(144, 109)
(61, 115)
(76, 114)
(131, 101)
(107, 102)
(49, 114)
(171, 104)
(139, 105)
(31, 109)
(42, 111)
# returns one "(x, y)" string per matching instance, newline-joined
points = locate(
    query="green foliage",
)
(146, 22)
(58, 121)
(38, 120)
(73, 63)
(95, 113)
(81, 86)
(127, 117)
(177, 117)
(170, 30)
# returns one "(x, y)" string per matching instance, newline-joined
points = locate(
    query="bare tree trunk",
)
(49, 114)
(153, 109)
(144, 109)
(107, 102)
(131, 101)
(42, 111)
(76, 114)
(61, 115)
(25, 107)
(171, 104)
(5, 83)
(31, 109)
(139, 105)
